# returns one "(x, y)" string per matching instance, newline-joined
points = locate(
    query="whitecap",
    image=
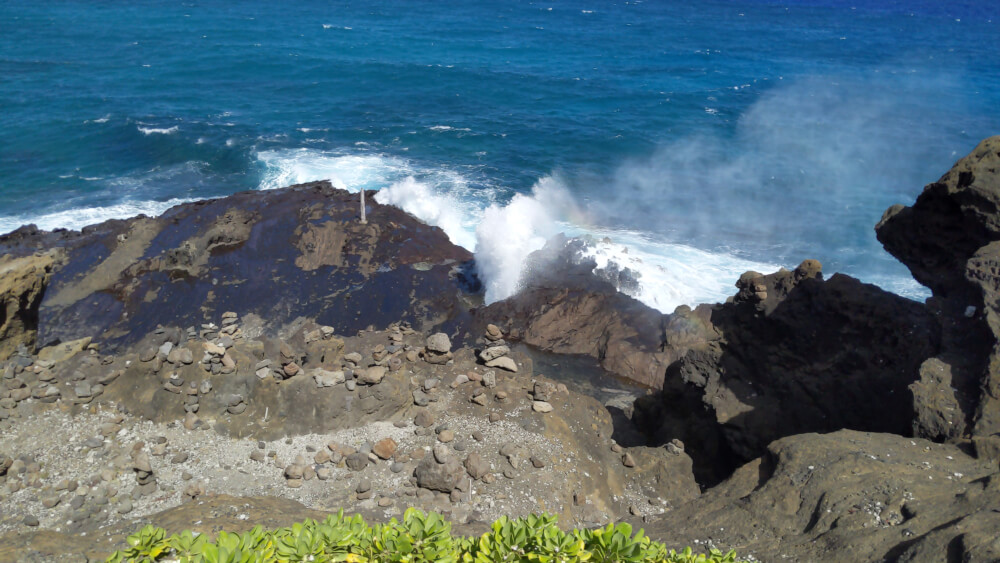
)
(670, 274)
(158, 130)
(346, 171)
(436, 195)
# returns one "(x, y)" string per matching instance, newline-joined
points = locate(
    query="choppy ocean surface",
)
(702, 138)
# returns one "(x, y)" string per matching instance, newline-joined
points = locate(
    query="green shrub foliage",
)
(419, 537)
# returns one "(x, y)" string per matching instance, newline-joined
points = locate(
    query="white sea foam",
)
(508, 234)
(448, 128)
(443, 210)
(437, 196)
(78, 218)
(671, 274)
(668, 274)
(130, 188)
(158, 130)
(351, 172)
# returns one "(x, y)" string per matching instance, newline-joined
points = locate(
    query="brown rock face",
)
(849, 495)
(22, 286)
(950, 241)
(565, 309)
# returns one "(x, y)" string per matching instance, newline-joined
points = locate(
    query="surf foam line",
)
(502, 235)
(158, 130)
(107, 201)
(76, 219)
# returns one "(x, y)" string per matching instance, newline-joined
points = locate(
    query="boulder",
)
(326, 378)
(492, 353)
(503, 362)
(476, 466)
(436, 476)
(799, 360)
(439, 343)
(371, 376)
(356, 461)
(384, 448)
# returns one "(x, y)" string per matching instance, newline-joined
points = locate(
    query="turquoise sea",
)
(691, 140)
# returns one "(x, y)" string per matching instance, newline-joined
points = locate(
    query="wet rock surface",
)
(274, 253)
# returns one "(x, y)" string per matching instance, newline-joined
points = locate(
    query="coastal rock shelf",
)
(267, 357)
(279, 254)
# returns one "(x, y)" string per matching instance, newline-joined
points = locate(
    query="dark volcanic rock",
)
(950, 241)
(794, 354)
(281, 254)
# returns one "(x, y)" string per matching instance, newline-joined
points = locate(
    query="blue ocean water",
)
(692, 140)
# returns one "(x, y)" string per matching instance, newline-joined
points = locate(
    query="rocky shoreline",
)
(266, 357)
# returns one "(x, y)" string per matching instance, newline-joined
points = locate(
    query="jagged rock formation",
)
(950, 241)
(792, 353)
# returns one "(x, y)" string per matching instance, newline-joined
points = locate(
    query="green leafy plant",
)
(420, 537)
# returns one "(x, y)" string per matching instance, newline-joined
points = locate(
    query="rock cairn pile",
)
(496, 353)
(438, 349)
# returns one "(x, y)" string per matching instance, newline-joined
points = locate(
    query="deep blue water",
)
(709, 137)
